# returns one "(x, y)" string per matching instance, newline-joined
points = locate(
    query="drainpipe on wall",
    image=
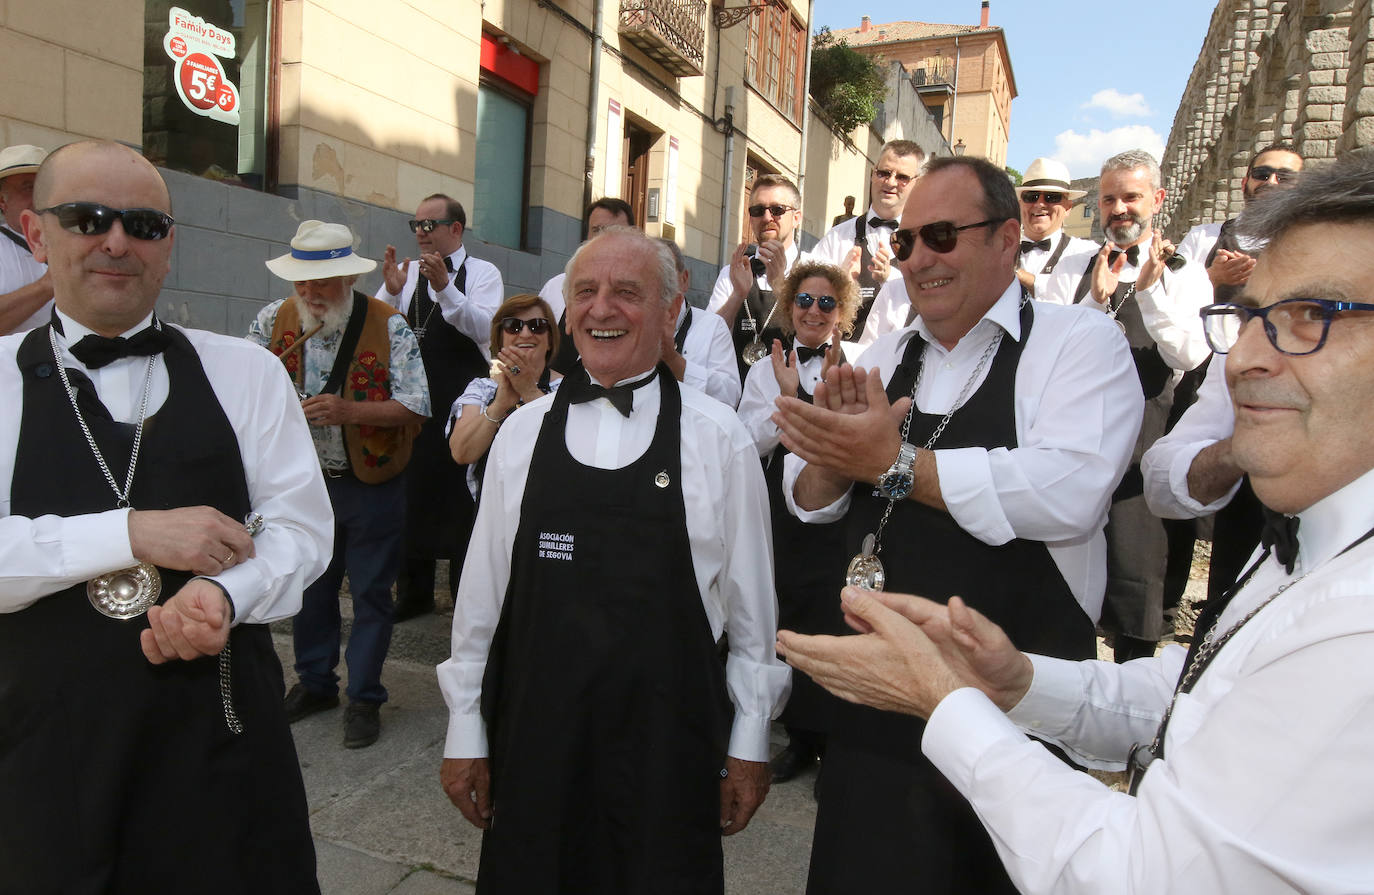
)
(727, 183)
(806, 115)
(593, 107)
(954, 105)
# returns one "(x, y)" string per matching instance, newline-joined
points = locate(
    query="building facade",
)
(1297, 71)
(962, 73)
(263, 113)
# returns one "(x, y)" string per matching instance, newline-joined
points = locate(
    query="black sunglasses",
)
(756, 211)
(513, 325)
(805, 300)
(941, 237)
(1030, 197)
(1264, 172)
(93, 219)
(428, 225)
(884, 174)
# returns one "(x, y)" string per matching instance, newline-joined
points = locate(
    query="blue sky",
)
(1128, 69)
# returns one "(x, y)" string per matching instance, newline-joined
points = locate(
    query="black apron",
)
(604, 696)
(438, 505)
(117, 775)
(1137, 542)
(808, 570)
(868, 286)
(888, 821)
(759, 302)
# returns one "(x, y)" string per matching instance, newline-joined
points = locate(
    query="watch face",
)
(896, 485)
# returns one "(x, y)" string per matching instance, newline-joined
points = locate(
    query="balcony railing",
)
(670, 32)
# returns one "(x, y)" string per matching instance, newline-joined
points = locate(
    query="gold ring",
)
(227, 560)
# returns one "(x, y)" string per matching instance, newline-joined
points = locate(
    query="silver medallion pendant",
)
(866, 570)
(754, 352)
(125, 593)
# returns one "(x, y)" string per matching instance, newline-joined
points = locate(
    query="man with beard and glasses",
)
(448, 297)
(1153, 295)
(143, 746)
(1190, 472)
(1250, 756)
(358, 369)
(742, 295)
(973, 452)
(862, 245)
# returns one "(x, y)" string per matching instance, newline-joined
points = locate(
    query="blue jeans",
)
(368, 520)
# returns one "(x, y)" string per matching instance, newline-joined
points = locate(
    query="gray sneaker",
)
(362, 725)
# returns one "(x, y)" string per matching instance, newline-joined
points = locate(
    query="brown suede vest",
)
(376, 454)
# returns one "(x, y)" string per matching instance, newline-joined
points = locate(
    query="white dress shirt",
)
(553, 294)
(1169, 308)
(1076, 256)
(1264, 786)
(42, 556)
(17, 270)
(1165, 465)
(470, 312)
(838, 242)
(1078, 411)
(727, 523)
(1197, 243)
(889, 312)
(720, 292)
(710, 355)
(759, 402)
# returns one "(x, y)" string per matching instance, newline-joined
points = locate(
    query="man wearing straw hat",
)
(25, 288)
(1046, 196)
(357, 367)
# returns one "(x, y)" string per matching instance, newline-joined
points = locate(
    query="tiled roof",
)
(899, 31)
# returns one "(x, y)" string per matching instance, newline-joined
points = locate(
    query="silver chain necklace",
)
(866, 570)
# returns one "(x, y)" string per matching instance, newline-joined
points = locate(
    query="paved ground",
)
(382, 825)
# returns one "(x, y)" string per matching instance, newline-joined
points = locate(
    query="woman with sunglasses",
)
(524, 337)
(817, 305)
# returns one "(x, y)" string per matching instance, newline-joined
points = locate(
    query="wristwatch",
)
(897, 482)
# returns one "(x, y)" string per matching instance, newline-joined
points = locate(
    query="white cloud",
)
(1121, 105)
(1085, 153)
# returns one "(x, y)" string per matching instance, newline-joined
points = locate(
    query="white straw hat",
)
(1048, 174)
(21, 159)
(320, 251)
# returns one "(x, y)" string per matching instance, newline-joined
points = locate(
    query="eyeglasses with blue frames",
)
(429, 224)
(1294, 326)
(805, 300)
(93, 219)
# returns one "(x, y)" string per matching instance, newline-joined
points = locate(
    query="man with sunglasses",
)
(141, 692)
(742, 295)
(1250, 754)
(25, 287)
(1046, 197)
(1153, 295)
(448, 297)
(973, 453)
(862, 245)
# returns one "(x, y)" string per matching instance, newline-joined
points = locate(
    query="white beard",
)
(332, 322)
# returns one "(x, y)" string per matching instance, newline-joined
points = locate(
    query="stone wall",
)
(1269, 70)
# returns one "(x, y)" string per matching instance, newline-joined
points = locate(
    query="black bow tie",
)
(876, 221)
(1281, 535)
(1132, 255)
(97, 351)
(448, 264)
(805, 354)
(1041, 244)
(621, 396)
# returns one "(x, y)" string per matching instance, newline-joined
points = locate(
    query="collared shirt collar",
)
(73, 332)
(1005, 313)
(1332, 523)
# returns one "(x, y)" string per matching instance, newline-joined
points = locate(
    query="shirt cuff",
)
(970, 495)
(791, 471)
(96, 543)
(1054, 697)
(963, 727)
(1178, 481)
(244, 584)
(467, 737)
(749, 738)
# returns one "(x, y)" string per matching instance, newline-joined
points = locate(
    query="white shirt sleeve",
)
(1166, 464)
(553, 294)
(887, 314)
(710, 355)
(756, 407)
(470, 311)
(1170, 309)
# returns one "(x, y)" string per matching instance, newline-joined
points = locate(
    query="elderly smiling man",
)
(1251, 750)
(357, 367)
(623, 528)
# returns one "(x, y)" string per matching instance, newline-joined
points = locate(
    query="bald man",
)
(144, 744)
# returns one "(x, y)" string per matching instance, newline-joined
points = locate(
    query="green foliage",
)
(1015, 175)
(847, 84)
